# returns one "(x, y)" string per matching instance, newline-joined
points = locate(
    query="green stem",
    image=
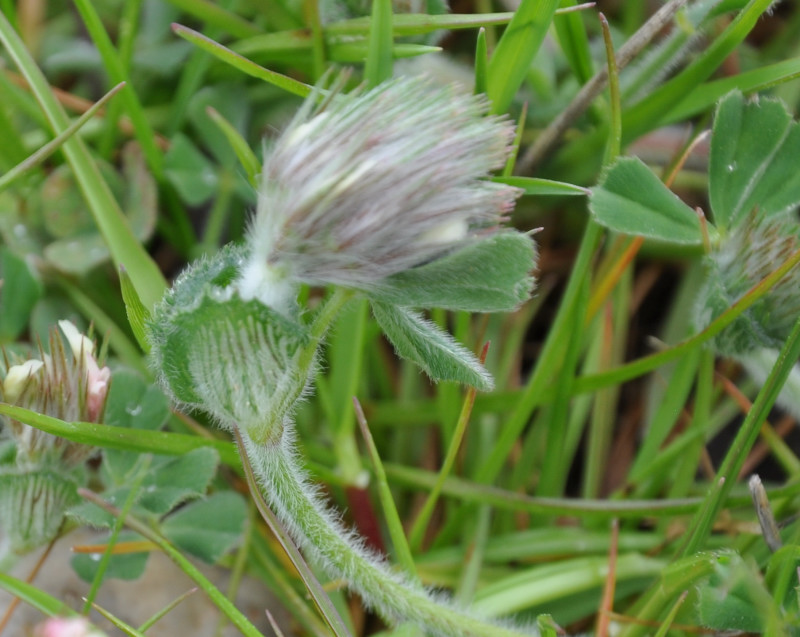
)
(318, 531)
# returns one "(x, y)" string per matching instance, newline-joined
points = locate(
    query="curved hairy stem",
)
(318, 531)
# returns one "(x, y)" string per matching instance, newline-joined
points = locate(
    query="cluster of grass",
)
(584, 491)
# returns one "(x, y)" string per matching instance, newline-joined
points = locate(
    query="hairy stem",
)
(318, 531)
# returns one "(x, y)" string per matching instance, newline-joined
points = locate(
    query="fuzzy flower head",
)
(68, 383)
(371, 184)
(751, 252)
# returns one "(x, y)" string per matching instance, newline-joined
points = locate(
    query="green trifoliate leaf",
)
(434, 350)
(755, 147)
(632, 200)
(491, 275)
(208, 528)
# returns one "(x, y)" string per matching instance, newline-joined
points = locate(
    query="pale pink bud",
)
(67, 627)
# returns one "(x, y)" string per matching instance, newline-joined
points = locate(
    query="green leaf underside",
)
(435, 351)
(171, 481)
(755, 147)
(491, 275)
(632, 200)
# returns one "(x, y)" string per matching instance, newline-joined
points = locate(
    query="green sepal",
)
(490, 275)
(238, 360)
(753, 165)
(32, 505)
(138, 314)
(632, 200)
(433, 350)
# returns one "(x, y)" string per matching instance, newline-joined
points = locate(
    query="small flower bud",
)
(752, 251)
(376, 183)
(68, 387)
(67, 627)
(18, 377)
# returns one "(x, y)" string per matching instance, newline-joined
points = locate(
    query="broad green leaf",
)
(135, 404)
(190, 171)
(632, 200)
(755, 147)
(124, 566)
(491, 275)
(208, 528)
(173, 481)
(435, 351)
(20, 291)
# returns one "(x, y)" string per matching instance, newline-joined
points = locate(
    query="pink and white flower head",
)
(373, 183)
(67, 627)
(69, 385)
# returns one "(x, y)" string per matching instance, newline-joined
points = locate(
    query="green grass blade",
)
(114, 68)
(417, 534)
(393, 522)
(516, 49)
(107, 436)
(125, 248)
(481, 62)
(574, 42)
(32, 596)
(647, 114)
(236, 617)
(746, 436)
(52, 146)
(378, 66)
(116, 621)
(247, 158)
(537, 186)
(649, 363)
(706, 95)
(216, 16)
(241, 63)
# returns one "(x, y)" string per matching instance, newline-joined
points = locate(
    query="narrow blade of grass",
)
(113, 66)
(516, 49)
(241, 63)
(393, 522)
(378, 66)
(746, 436)
(125, 248)
(50, 147)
